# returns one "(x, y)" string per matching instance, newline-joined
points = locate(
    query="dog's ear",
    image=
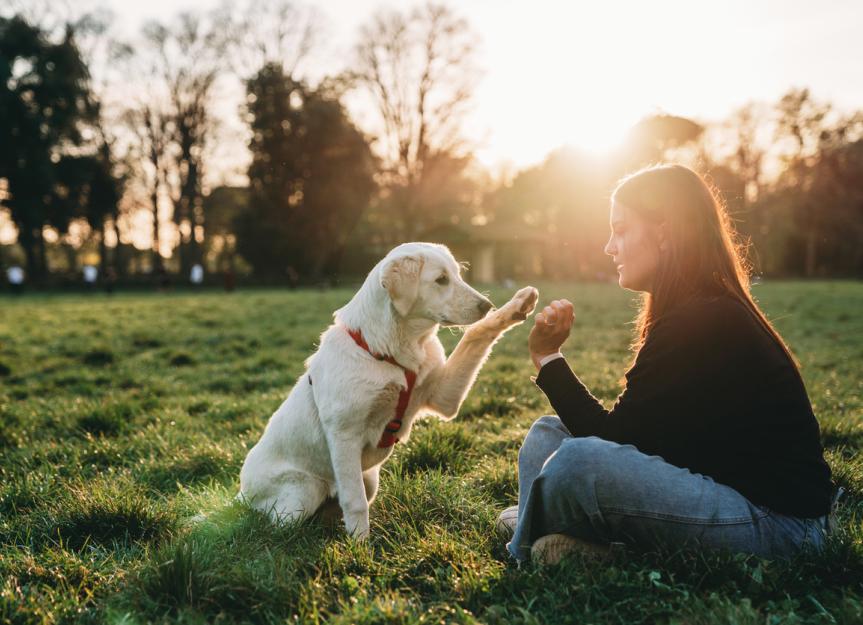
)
(401, 278)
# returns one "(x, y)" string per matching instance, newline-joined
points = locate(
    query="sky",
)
(568, 72)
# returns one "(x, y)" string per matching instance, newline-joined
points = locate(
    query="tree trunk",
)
(26, 240)
(71, 258)
(103, 250)
(158, 265)
(811, 258)
(119, 260)
(811, 249)
(42, 272)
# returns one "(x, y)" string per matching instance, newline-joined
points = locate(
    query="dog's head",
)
(424, 281)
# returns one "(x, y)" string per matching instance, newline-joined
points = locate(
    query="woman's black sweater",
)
(711, 391)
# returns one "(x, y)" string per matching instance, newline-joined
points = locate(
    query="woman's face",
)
(634, 246)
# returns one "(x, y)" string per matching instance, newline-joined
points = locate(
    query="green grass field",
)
(121, 418)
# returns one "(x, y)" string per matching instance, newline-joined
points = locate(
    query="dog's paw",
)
(510, 314)
(357, 525)
(519, 307)
(360, 534)
(523, 303)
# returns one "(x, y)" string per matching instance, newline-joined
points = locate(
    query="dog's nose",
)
(484, 306)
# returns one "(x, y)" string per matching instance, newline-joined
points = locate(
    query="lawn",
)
(121, 418)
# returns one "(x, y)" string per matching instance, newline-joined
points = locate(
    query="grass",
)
(122, 418)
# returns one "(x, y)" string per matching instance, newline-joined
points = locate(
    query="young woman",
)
(713, 441)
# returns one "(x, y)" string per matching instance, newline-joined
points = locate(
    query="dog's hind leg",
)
(297, 498)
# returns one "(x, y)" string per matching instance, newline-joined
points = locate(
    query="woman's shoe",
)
(507, 521)
(550, 550)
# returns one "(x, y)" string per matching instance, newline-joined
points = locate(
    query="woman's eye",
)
(443, 280)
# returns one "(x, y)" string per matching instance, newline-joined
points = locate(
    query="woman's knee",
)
(544, 437)
(583, 460)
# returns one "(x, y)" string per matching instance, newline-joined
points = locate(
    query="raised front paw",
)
(514, 311)
(521, 304)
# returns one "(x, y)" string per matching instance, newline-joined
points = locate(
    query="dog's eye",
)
(443, 280)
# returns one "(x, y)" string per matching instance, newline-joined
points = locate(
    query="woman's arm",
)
(674, 371)
(567, 394)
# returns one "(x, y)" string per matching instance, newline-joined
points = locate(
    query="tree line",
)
(105, 138)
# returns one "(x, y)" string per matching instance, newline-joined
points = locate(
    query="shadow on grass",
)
(110, 516)
(233, 563)
(681, 587)
(434, 445)
(190, 471)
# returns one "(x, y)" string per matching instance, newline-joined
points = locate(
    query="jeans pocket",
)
(788, 535)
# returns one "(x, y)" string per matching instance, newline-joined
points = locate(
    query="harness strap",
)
(389, 438)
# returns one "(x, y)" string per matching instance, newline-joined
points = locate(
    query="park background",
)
(291, 145)
(296, 144)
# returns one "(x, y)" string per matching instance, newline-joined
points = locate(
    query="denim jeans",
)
(604, 492)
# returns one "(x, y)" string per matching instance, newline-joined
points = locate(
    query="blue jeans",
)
(604, 492)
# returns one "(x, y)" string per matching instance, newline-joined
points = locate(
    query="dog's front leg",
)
(346, 454)
(452, 381)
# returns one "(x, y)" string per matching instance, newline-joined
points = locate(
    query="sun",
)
(596, 135)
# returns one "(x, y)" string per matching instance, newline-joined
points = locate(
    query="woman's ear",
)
(401, 278)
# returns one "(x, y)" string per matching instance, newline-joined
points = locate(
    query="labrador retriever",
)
(378, 367)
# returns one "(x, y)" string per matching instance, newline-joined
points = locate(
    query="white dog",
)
(379, 365)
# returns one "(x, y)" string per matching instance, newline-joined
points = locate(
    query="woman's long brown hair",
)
(704, 255)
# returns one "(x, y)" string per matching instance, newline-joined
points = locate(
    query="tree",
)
(186, 60)
(85, 188)
(311, 178)
(565, 200)
(44, 103)
(650, 138)
(837, 191)
(223, 207)
(151, 138)
(260, 32)
(740, 177)
(801, 123)
(420, 70)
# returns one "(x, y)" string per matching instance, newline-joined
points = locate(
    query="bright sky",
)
(560, 72)
(566, 72)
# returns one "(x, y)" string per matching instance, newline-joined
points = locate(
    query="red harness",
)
(388, 438)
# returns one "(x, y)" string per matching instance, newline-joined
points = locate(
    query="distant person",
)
(713, 442)
(15, 276)
(91, 274)
(196, 276)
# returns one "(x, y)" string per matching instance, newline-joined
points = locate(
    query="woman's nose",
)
(610, 249)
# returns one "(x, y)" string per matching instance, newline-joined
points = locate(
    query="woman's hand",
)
(550, 330)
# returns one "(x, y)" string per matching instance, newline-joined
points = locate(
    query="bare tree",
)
(801, 124)
(747, 124)
(262, 32)
(150, 128)
(747, 128)
(187, 59)
(420, 69)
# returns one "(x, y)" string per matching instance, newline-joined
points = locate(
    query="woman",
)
(713, 441)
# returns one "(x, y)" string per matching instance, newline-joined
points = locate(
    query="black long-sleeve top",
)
(711, 391)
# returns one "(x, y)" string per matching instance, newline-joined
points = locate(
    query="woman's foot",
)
(550, 550)
(507, 521)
